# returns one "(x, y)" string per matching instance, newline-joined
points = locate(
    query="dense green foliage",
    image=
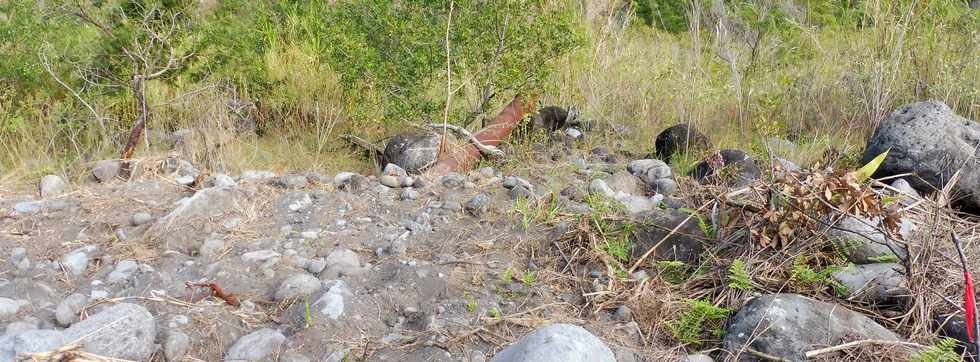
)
(387, 57)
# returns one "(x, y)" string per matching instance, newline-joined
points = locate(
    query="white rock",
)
(53, 185)
(256, 346)
(331, 303)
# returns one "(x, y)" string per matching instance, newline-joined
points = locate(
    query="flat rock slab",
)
(789, 325)
(124, 330)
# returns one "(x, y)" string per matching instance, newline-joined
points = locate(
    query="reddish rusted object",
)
(462, 158)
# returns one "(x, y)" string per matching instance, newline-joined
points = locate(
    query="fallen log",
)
(461, 158)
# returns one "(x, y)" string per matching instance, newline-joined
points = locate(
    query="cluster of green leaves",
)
(673, 271)
(943, 351)
(668, 15)
(616, 235)
(738, 276)
(701, 316)
(807, 276)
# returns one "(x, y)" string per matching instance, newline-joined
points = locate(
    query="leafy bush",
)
(944, 351)
(667, 15)
(391, 54)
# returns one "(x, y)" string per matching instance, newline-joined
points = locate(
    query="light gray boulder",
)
(863, 242)
(557, 343)
(124, 330)
(788, 325)
(256, 346)
(881, 283)
(53, 185)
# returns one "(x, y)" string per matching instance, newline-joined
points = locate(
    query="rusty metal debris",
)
(216, 292)
(462, 158)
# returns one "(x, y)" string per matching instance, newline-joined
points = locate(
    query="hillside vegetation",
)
(277, 83)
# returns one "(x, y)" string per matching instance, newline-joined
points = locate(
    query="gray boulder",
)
(862, 241)
(686, 245)
(412, 151)
(557, 343)
(882, 283)
(124, 330)
(728, 167)
(52, 185)
(37, 341)
(106, 170)
(788, 325)
(261, 345)
(930, 141)
(680, 138)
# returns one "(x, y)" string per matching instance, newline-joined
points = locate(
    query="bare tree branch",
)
(48, 68)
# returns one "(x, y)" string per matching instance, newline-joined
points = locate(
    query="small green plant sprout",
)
(618, 247)
(703, 223)
(701, 316)
(528, 278)
(494, 313)
(806, 276)
(308, 313)
(507, 276)
(943, 351)
(738, 276)
(673, 271)
(471, 303)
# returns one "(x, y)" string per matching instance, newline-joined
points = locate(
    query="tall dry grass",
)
(817, 86)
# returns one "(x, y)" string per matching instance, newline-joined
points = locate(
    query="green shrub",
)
(944, 351)
(667, 15)
(701, 316)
